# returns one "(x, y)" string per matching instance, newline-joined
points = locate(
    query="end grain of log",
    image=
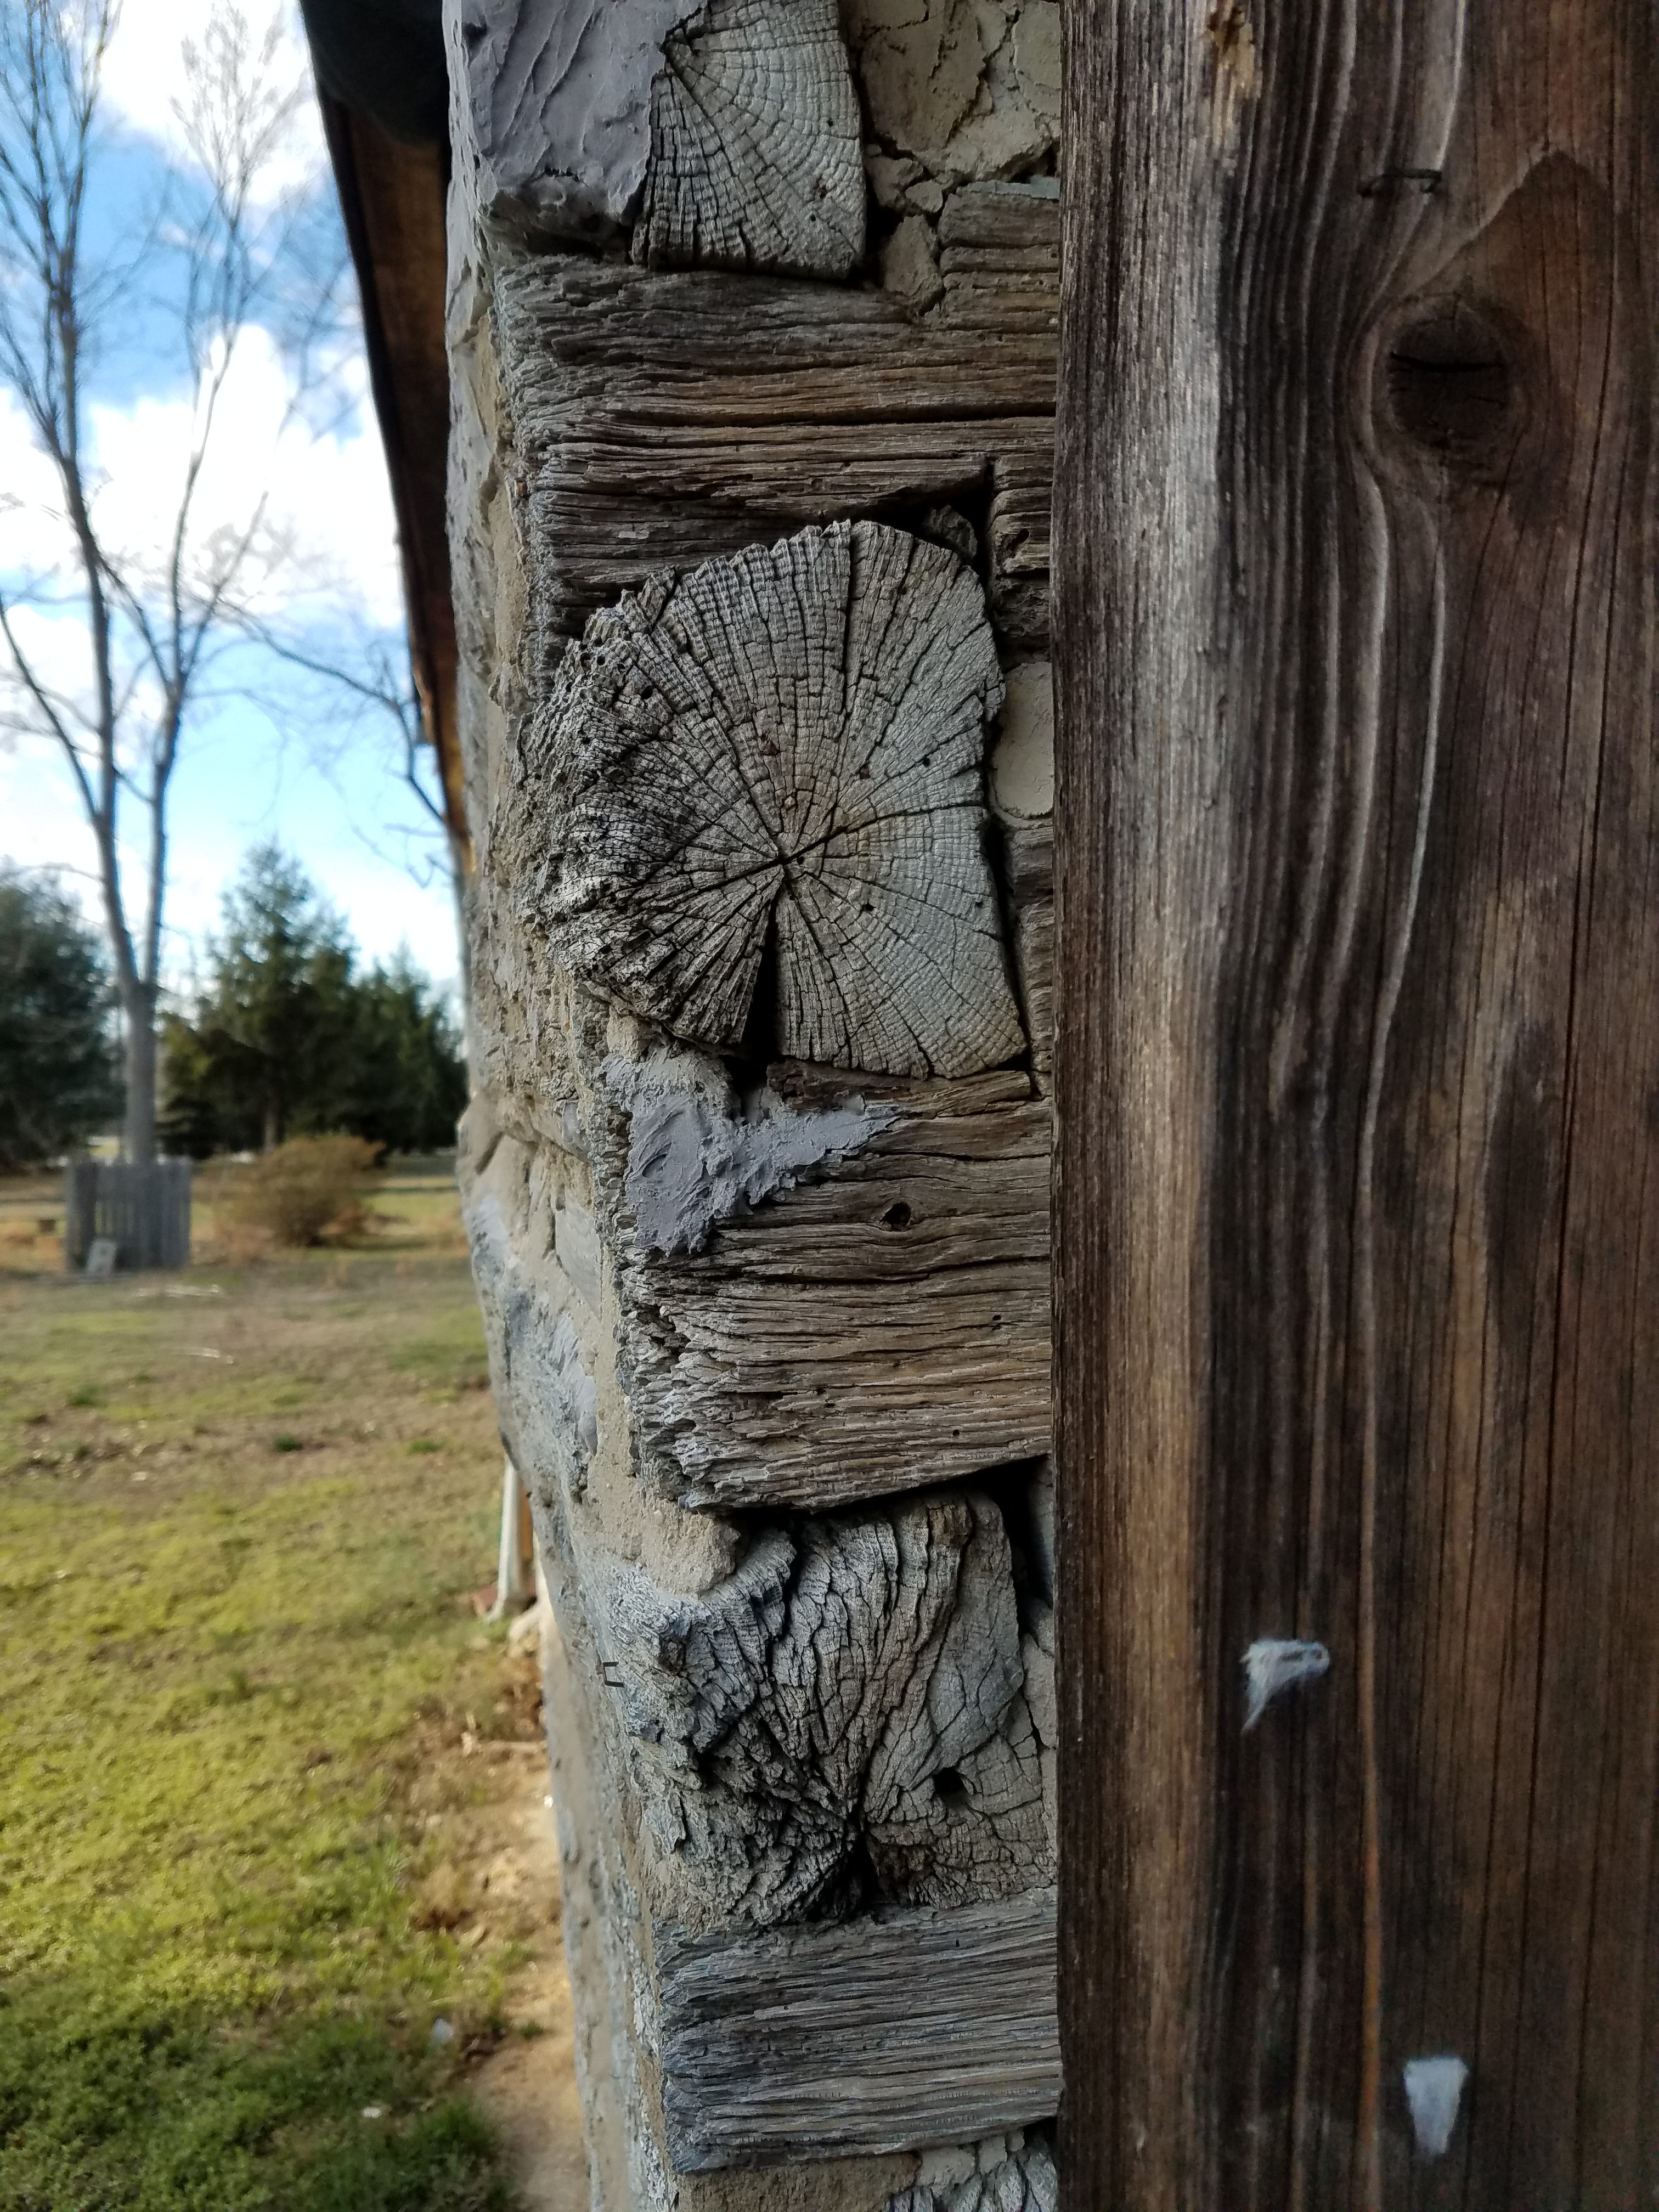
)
(765, 778)
(755, 157)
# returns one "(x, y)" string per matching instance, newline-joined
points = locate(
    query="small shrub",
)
(308, 1188)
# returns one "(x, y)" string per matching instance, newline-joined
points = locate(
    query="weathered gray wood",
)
(755, 160)
(999, 257)
(793, 1298)
(720, 132)
(142, 1209)
(1018, 531)
(662, 418)
(781, 752)
(552, 101)
(880, 1325)
(899, 2029)
(844, 1720)
(1019, 221)
(850, 1709)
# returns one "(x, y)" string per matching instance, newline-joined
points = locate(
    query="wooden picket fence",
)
(143, 1212)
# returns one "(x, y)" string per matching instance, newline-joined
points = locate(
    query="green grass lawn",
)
(238, 1534)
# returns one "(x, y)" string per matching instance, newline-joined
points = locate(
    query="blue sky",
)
(326, 785)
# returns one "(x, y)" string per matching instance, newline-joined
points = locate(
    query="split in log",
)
(900, 2029)
(778, 753)
(843, 1720)
(755, 160)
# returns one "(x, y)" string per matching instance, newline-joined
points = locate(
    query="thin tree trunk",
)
(1358, 1307)
(138, 1129)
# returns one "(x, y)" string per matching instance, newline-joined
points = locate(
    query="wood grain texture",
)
(1000, 258)
(897, 2029)
(1028, 873)
(881, 1325)
(660, 419)
(755, 160)
(1357, 1064)
(844, 1720)
(778, 757)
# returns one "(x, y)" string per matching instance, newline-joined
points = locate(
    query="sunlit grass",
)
(232, 1609)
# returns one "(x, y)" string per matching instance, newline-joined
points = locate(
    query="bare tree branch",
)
(243, 248)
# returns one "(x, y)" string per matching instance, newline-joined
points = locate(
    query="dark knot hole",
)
(898, 1216)
(1451, 388)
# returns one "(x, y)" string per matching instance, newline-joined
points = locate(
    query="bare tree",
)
(232, 246)
(356, 679)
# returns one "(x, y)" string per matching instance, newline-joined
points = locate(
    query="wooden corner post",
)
(1358, 1085)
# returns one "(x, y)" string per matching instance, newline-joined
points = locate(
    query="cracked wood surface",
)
(755, 157)
(1357, 1071)
(721, 133)
(855, 1709)
(842, 1723)
(905, 2028)
(792, 1298)
(660, 418)
(881, 1326)
(778, 756)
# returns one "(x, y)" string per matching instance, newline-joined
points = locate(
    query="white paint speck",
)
(1434, 2090)
(1273, 1664)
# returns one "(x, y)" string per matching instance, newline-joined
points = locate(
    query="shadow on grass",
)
(158, 2114)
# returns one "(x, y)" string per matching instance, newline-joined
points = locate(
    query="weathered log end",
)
(756, 160)
(753, 802)
(715, 133)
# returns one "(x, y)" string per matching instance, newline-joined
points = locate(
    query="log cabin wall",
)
(753, 326)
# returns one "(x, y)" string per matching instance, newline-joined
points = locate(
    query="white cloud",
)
(322, 506)
(147, 78)
(326, 534)
(328, 552)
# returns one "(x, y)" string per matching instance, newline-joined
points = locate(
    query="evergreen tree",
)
(400, 1081)
(287, 1040)
(58, 1053)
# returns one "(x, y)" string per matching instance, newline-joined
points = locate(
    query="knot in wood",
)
(779, 755)
(1451, 386)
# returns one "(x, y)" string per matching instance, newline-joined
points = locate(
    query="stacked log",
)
(752, 318)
